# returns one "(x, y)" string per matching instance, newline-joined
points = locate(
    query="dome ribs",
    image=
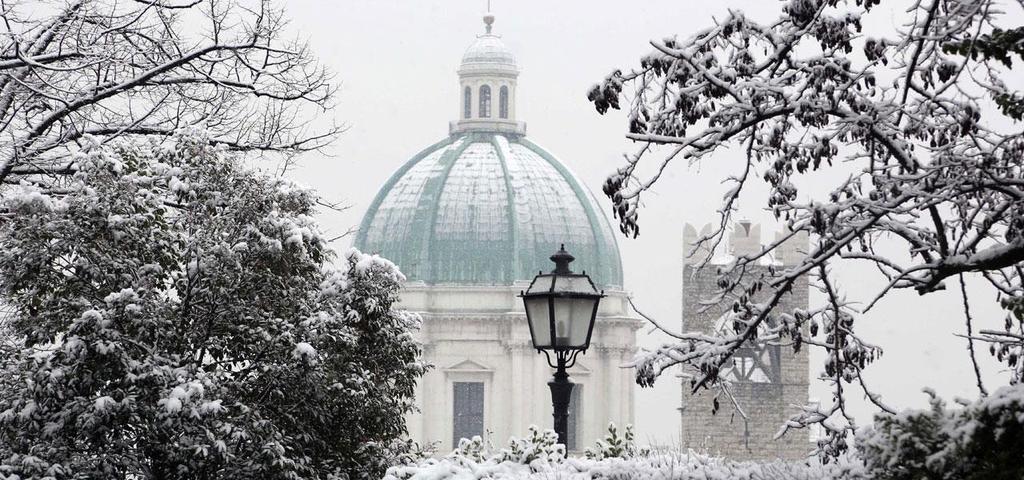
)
(500, 145)
(426, 211)
(604, 269)
(440, 217)
(371, 211)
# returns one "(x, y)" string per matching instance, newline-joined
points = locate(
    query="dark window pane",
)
(503, 102)
(467, 103)
(468, 414)
(485, 102)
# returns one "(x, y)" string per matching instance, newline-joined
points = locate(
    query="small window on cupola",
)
(467, 103)
(485, 101)
(503, 102)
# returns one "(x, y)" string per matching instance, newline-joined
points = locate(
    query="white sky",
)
(396, 63)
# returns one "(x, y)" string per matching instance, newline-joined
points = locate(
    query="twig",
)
(970, 340)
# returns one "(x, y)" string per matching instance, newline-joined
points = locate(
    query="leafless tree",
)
(918, 126)
(111, 68)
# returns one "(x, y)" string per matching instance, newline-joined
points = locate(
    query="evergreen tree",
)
(177, 316)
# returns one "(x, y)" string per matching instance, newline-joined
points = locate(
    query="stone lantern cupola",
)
(487, 86)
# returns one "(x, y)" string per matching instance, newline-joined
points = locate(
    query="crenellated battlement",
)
(743, 239)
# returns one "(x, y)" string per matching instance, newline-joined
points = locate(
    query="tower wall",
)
(767, 404)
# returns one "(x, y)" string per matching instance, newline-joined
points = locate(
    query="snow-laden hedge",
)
(616, 457)
(656, 466)
(981, 440)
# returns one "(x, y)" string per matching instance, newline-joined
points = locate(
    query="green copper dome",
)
(487, 208)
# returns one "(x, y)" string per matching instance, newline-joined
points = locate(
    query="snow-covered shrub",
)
(615, 446)
(476, 458)
(538, 456)
(539, 445)
(538, 448)
(178, 316)
(655, 466)
(982, 440)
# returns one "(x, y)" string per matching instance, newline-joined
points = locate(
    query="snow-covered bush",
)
(539, 446)
(178, 316)
(982, 440)
(538, 456)
(616, 446)
(654, 466)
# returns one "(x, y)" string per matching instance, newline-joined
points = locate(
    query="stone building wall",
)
(480, 334)
(768, 402)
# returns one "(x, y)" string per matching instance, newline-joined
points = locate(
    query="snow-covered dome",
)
(486, 206)
(488, 52)
(487, 209)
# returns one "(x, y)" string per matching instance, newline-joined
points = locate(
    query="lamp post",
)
(560, 309)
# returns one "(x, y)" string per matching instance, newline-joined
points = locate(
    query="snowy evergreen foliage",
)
(913, 127)
(981, 440)
(177, 316)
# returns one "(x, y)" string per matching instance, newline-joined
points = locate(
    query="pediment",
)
(468, 365)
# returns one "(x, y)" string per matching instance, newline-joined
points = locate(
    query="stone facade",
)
(768, 381)
(479, 334)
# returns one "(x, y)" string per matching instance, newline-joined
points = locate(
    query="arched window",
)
(503, 102)
(467, 103)
(485, 101)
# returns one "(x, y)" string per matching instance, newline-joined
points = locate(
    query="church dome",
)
(487, 208)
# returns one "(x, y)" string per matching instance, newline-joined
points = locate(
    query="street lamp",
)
(560, 309)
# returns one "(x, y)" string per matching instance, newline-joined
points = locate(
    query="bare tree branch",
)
(111, 69)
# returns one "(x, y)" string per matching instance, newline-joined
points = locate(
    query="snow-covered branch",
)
(925, 163)
(149, 68)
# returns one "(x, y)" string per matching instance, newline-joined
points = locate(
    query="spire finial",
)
(488, 18)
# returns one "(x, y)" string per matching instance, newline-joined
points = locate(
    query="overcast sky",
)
(396, 62)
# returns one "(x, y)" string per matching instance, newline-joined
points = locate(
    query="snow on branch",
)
(926, 164)
(114, 69)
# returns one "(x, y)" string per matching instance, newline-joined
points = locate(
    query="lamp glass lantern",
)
(561, 307)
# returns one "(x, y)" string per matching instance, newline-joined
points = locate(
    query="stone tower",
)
(766, 380)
